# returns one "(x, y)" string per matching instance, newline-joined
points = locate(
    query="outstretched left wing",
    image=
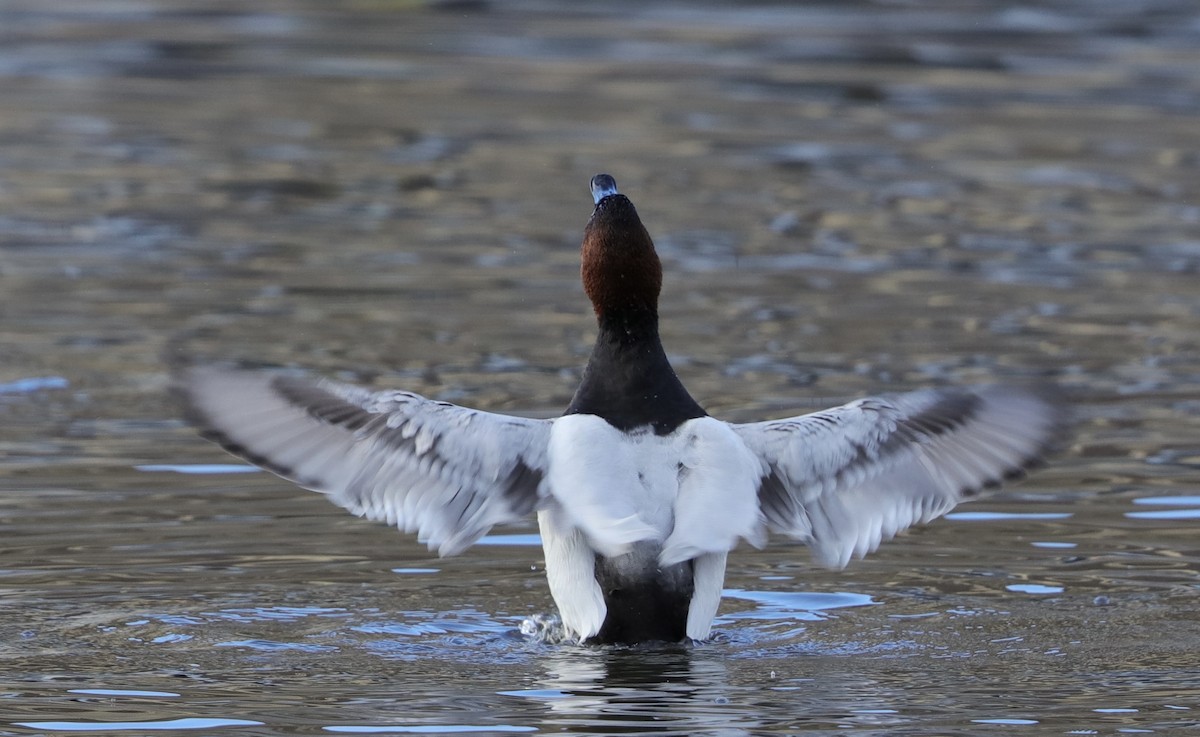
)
(445, 472)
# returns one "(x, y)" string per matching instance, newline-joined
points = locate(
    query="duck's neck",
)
(628, 380)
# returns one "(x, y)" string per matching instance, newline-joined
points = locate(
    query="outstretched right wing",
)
(845, 479)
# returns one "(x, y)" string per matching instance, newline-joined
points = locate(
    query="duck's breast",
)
(694, 491)
(618, 488)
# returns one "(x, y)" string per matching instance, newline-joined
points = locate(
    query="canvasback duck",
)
(639, 493)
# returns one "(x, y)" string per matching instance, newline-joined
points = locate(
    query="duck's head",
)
(621, 271)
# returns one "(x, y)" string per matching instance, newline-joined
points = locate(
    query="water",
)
(848, 198)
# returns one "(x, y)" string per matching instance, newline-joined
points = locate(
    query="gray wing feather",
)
(445, 472)
(845, 479)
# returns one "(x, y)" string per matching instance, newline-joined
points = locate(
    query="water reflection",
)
(665, 690)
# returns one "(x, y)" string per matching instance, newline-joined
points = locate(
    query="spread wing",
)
(845, 479)
(443, 471)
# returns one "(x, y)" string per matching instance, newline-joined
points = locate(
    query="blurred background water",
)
(849, 198)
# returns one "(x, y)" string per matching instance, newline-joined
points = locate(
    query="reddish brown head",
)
(621, 271)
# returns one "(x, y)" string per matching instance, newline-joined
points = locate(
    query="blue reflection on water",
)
(185, 723)
(1004, 721)
(273, 646)
(528, 539)
(34, 384)
(997, 516)
(430, 729)
(803, 605)
(197, 468)
(119, 692)
(1034, 588)
(1180, 501)
(1166, 514)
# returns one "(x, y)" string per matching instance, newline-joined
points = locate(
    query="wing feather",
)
(447, 473)
(845, 479)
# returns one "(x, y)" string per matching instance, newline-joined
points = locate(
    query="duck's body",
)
(638, 525)
(639, 494)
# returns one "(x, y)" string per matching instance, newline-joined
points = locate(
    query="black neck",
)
(628, 381)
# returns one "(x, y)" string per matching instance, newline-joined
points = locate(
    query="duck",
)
(639, 494)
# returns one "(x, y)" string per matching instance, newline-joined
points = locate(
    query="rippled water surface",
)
(849, 198)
